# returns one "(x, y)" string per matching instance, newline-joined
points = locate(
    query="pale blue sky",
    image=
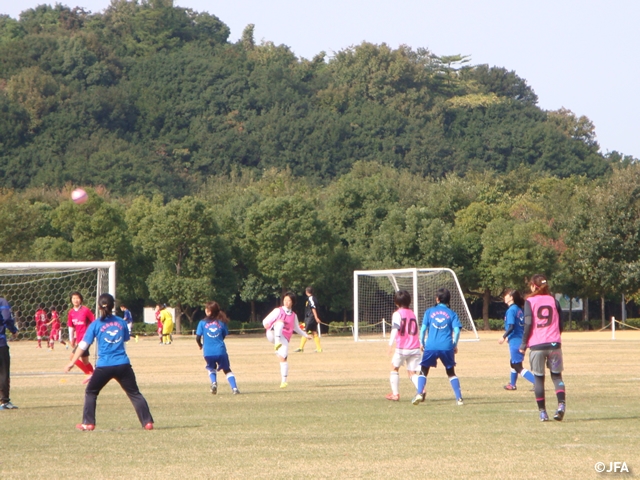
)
(583, 55)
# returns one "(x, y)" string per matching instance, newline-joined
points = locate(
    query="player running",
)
(513, 330)
(78, 320)
(280, 325)
(214, 330)
(542, 335)
(443, 326)
(405, 333)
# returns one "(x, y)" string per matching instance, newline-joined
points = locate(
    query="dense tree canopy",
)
(149, 97)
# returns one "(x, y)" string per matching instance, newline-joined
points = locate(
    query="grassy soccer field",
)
(332, 422)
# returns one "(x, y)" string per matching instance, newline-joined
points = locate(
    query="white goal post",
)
(373, 292)
(27, 286)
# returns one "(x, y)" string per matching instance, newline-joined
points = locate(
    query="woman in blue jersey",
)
(442, 326)
(110, 333)
(513, 329)
(213, 329)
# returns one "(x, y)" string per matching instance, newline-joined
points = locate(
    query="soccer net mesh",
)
(27, 286)
(373, 292)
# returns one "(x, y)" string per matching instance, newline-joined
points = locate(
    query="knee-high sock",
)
(414, 380)
(89, 368)
(213, 377)
(80, 364)
(303, 342)
(514, 377)
(422, 384)
(559, 385)
(455, 384)
(316, 339)
(284, 370)
(394, 380)
(528, 375)
(231, 378)
(538, 388)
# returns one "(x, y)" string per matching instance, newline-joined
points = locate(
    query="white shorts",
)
(283, 351)
(412, 361)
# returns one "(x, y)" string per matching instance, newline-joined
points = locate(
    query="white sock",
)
(414, 379)
(394, 379)
(284, 370)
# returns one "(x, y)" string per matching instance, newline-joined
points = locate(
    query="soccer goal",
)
(27, 286)
(373, 292)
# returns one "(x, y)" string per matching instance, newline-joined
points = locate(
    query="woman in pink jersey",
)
(406, 335)
(542, 330)
(280, 325)
(78, 319)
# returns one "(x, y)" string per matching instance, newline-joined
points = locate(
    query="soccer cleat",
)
(460, 401)
(284, 385)
(298, 350)
(392, 397)
(417, 399)
(543, 416)
(7, 406)
(235, 391)
(559, 413)
(319, 350)
(85, 427)
(424, 396)
(508, 386)
(214, 388)
(278, 345)
(148, 426)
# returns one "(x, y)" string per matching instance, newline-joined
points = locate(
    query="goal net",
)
(373, 292)
(30, 286)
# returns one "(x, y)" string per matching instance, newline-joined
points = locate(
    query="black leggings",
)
(123, 374)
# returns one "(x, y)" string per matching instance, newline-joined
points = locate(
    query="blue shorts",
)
(514, 350)
(430, 357)
(218, 362)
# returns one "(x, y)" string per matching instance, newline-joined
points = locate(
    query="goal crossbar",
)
(416, 280)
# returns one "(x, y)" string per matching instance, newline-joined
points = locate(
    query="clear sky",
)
(583, 55)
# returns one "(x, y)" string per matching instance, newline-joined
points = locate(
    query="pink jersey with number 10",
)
(545, 323)
(408, 336)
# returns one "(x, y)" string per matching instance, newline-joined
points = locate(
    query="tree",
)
(192, 262)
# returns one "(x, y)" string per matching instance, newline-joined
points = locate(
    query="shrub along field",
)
(331, 422)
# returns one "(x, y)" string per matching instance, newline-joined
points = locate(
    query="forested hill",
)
(151, 97)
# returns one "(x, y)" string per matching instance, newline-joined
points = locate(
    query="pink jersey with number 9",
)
(545, 326)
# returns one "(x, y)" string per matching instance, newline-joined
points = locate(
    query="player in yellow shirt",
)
(167, 324)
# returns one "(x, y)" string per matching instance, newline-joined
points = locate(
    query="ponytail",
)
(215, 313)
(105, 305)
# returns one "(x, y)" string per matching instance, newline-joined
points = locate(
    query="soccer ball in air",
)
(79, 196)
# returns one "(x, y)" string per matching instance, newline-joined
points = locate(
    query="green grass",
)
(332, 421)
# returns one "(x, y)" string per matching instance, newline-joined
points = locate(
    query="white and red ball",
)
(79, 196)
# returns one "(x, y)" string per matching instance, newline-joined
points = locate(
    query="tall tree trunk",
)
(178, 325)
(486, 300)
(602, 310)
(253, 311)
(570, 311)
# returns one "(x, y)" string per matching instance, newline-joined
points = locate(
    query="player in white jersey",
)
(406, 335)
(280, 325)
